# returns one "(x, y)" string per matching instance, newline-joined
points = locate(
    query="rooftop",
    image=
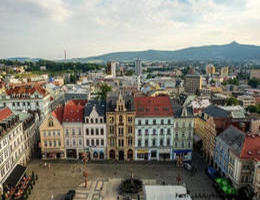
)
(99, 106)
(153, 106)
(251, 147)
(216, 112)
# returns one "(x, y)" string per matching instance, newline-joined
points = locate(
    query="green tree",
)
(254, 82)
(232, 101)
(103, 90)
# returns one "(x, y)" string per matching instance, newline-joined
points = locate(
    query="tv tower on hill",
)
(65, 54)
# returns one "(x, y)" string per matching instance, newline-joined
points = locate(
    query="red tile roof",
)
(153, 106)
(5, 113)
(58, 113)
(251, 148)
(74, 111)
(27, 89)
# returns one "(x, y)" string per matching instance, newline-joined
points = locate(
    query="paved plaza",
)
(105, 177)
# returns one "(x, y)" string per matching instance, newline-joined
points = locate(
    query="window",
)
(146, 142)
(44, 134)
(97, 142)
(146, 122)
(79, 131)
(139, 132)
(139, 122)
(130, 119)
(91, 121)
(161, 131)
(92, 142)
(59, 142)
(96, 120)
(87, 142)
(154, 122)
(120, 119)
(101, 120)
(50, 143)
(183, 135)
(111, 130)
(121, 131)
(154, 131)
(146, 132)
(80, 142)
(45, 143)
(169, 121)
(168, 131)
(176, 144)
(67, 132)
(49, 133)
(54, 143)
(139, 142)
(154, 141)
(73, 131)
(58, 133)
(97, 131)
(161, 142)
(68, 142)
(162, 121)
(92, 131)
(87, 120)
(130, 141)
(182, 144)
(54, 133)
(130, 129)
(74, 143)
(168, 142)
(102, 131)
(102, 142)
(87, 131)
(121, 143)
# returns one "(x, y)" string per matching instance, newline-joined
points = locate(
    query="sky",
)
(45, 28)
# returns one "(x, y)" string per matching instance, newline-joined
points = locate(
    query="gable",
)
(50, 120)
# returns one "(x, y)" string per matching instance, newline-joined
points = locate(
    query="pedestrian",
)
(45, 164)
(49, 166)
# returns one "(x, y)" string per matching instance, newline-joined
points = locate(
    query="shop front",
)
(71, 153)
(153, 154)
(142, 154)
(53, 154)
(97, 154)
(165, 154)
(185, 155)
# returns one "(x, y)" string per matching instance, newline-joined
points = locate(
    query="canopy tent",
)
(16, 175)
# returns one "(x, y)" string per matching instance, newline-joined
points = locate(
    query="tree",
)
(103, 90)
(254, 82)
(232, 101)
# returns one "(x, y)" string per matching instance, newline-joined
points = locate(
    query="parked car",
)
(70, 195)
(188, 167)
(212, 173)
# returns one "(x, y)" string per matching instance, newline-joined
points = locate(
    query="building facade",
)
(11, 144)
(153, 128)
(94, 128)
(120, 117)
(73, 129)
(24, 97)
(192, 83)
(138, 67)
(52, 135)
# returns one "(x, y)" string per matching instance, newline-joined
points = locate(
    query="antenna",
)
(65, 54)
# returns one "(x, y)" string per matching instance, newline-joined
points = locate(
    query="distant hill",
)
(229, 52)
(24, 59)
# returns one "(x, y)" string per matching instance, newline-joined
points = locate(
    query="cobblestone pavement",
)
(63, 176)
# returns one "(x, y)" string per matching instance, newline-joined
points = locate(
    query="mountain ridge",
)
(227, 52)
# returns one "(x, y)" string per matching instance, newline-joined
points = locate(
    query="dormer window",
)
(50, 122)
(96, 120)
(91, 121)
(87, 120)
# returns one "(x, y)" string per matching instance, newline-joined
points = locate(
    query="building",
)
(231, 138)
(256, 179)
(12, 144)
(52, 135)
(138, 67)
(192, 83)
(24, 97)
(224, 72)
(166, 192)
(94, 128)
(244, 163)
(73, 128)
(255, 73)
(210, 69)
(153, 128)
(246, 100)
(111, 69)
(76, 92)
(120, 116)
(183, 133)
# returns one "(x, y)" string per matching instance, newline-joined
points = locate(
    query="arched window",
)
(120, 119)
(50, 122)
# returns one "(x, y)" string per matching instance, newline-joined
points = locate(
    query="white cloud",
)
(90, 27)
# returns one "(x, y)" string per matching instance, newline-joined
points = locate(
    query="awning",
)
(16, 175)
(182, 151)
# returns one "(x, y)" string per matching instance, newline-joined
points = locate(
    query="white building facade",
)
(94, 128)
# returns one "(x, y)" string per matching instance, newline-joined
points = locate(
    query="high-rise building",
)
(111, 68)
(138, 67)
(224, 71)
(210, 69)
(192, 83)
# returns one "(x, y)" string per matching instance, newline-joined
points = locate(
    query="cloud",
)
(90, 27)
